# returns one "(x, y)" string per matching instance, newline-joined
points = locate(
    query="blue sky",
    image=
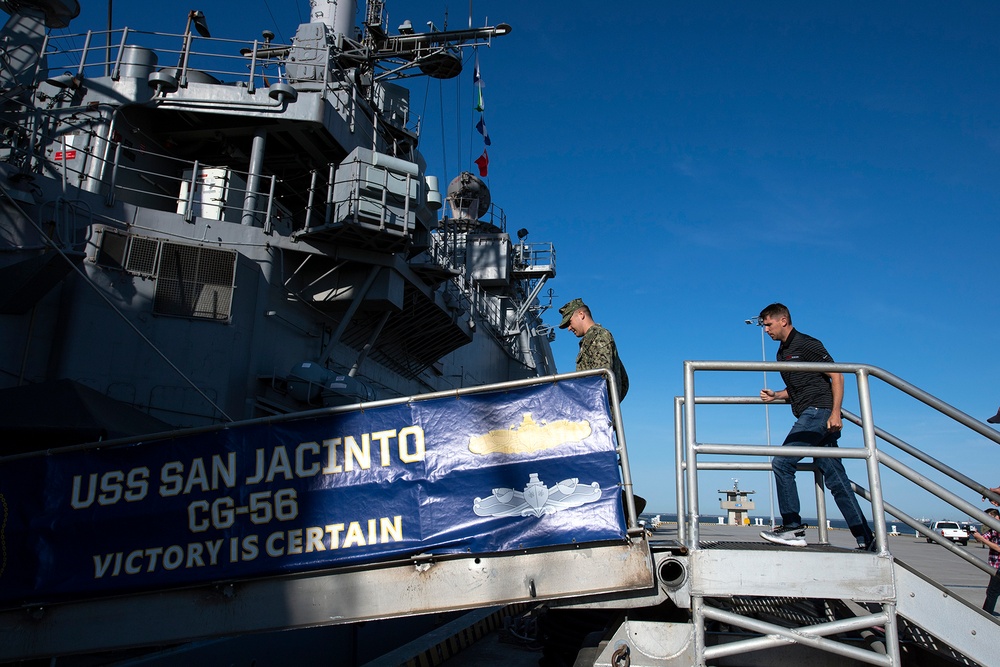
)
(693, 162)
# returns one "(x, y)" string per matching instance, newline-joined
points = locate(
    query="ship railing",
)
(445, 252)
(184, 58)
(68, 149)
(484, 308)
(489, 309)
(443, 249)
(82, 157)
(496, 217)
(265, 206)
(690, 454)
(24, 137)
(534, 260)
(189, 57)
(529, 259)
(345, 196)
(18, 128)
(191, 188)
(20, 152)
(484, 305)
(165, 183)
(449, 242)
(501, 313)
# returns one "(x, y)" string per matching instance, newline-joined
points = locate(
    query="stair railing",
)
(688, 465)
(688, 449)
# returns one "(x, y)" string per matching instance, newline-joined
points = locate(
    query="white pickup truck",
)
(950, 530)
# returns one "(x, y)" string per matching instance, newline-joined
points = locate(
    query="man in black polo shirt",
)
(816, 400)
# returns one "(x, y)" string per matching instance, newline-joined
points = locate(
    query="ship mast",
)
(337, 14)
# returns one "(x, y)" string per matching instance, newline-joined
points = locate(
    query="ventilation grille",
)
(195, 282)
(191, 281)
(142, 255)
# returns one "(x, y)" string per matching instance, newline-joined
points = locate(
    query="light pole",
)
(767, 418)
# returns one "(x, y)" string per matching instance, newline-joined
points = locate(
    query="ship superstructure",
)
(201, 230)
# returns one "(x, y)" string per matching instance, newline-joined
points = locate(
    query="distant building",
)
(737, 505)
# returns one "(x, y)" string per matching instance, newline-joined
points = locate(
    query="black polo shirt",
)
(805, 390)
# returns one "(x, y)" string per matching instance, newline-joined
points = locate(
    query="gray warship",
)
(208, 241)
(198, 230)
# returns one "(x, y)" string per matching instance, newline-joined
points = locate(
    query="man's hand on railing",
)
(769, 395)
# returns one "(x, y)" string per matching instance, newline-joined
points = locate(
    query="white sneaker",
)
(793, 536)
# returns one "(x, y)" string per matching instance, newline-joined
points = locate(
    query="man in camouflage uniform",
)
(597, 345)
(564, 630)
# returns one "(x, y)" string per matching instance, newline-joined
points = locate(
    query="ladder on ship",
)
(755, 603)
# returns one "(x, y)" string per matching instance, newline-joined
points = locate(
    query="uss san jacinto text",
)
(270, 466)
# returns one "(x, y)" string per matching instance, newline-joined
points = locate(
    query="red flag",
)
(483, 162)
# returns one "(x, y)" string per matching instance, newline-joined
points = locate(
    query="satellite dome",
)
(469, 197)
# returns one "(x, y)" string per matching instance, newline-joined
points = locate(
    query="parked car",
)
(950, 530)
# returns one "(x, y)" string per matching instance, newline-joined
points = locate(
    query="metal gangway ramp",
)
(755, 603)
(175, 623)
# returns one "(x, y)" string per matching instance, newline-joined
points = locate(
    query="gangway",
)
(505, 494)
(755, 603)
(681, 602)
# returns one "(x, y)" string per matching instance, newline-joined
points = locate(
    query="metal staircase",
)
(753, 603)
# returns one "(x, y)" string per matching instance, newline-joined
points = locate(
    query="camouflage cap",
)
(568, 310)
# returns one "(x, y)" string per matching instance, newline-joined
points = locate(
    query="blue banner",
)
(477, 473)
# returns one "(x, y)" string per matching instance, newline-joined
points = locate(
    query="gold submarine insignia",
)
(529, 436)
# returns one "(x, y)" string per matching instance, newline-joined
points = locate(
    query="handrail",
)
(688, 448)
(921, 529)
(686, 454)
(854, 368)
(168, 191)
(251, 64)
(929, 460)
(228, 59)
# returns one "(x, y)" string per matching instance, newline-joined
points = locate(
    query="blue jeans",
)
(810, 431)
(992, 593)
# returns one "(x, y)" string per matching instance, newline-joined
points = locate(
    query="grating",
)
(142, 255)
(195, 282)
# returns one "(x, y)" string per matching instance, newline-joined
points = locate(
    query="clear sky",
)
(693, 162)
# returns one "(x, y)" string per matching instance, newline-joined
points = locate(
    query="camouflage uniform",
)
(598, 350)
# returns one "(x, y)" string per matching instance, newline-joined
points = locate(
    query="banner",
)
(476, 473)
